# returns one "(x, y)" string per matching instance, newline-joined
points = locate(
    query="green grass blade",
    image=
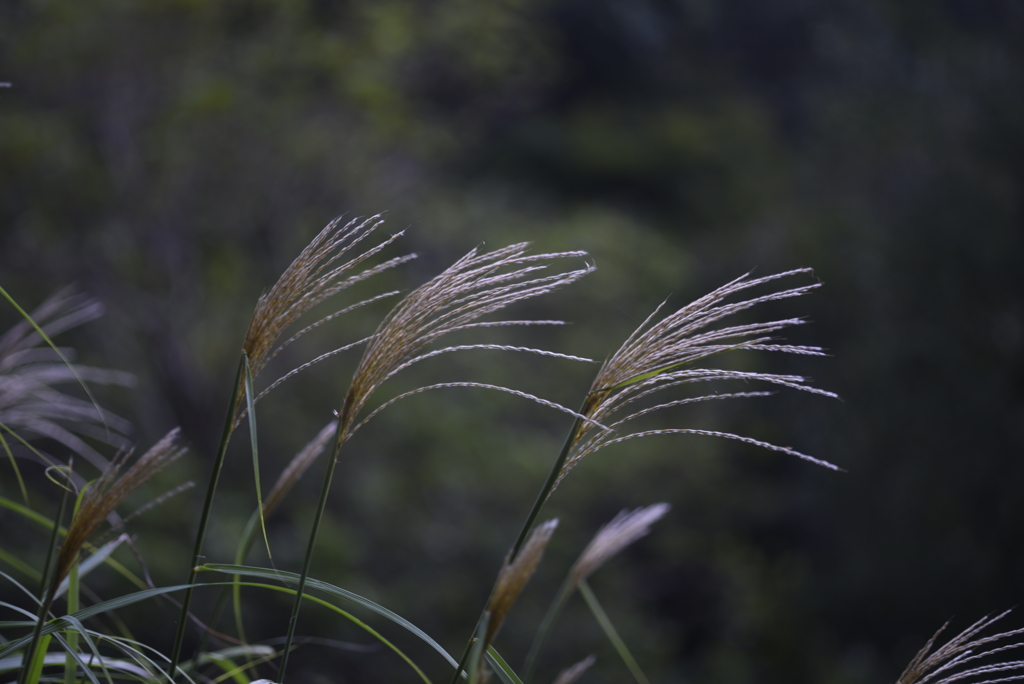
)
(350, 617)
(250, 402)
(70, 653)
(86, 613)
(332, 590)
(14, 465)
(20, 565)
(611, 633)
(501, 668)
(48, 524)
(34, 670)
(204, 517)
(94, 560)
(477, 650)
(40, 455)
(71, 663)
(36, 645)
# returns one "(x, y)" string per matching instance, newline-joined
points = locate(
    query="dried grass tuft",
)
(105, 494)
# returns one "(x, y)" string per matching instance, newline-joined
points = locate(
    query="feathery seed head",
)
(660, 355)
(474, 286)
(624, 529)
(297, 467)
(958, 659)
(104, 495)
(30, 404)
(514, 575)
(571, 674)
(312, 277)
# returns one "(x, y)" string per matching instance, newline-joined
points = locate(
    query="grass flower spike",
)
(105, 494)
(571, 674)
(478, 284)
(474, 286)
(963, 657)
(661, 355)
(624, 529)
(315, 275)
(514, 575)
(310, 279)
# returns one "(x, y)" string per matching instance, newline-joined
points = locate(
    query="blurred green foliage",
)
(172, 157)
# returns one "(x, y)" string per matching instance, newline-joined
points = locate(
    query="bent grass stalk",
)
(313, 277)
(478, 284)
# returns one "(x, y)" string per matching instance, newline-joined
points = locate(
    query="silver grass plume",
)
(478, 284)
(961, 658)
(314, 276)
(105, 494)
(624, 529)
(571, 674)
(514, 575)
(30, 406)
(297, 467)
(661, 355)
(474, 286)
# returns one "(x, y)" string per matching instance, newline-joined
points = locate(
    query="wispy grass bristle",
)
(101, 497)
(571, 674)
(309, 280)
(298, 466)
(474, 286)
(958, 659)
(514, 575)
(623, 530)
(660, 355)
(29, 371)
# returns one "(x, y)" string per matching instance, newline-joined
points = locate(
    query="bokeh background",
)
(171, 157)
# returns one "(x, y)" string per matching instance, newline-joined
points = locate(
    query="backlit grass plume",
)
(478, 284)
(963, 658)
(314, 276)
(659, 356)
(662, 355)
(624, 529)
(321, 271)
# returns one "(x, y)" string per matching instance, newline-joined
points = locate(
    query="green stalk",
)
(30, 668)
(70, 666)
(531, 518)
(611, 633)
(545, 491)
(204, 518)
(307, 561)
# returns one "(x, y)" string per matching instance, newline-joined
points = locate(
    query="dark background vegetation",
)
(171, 157)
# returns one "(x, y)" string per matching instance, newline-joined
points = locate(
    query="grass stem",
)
(342, 431)
(204, 518)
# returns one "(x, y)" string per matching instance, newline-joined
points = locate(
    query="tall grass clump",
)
(641, 390)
